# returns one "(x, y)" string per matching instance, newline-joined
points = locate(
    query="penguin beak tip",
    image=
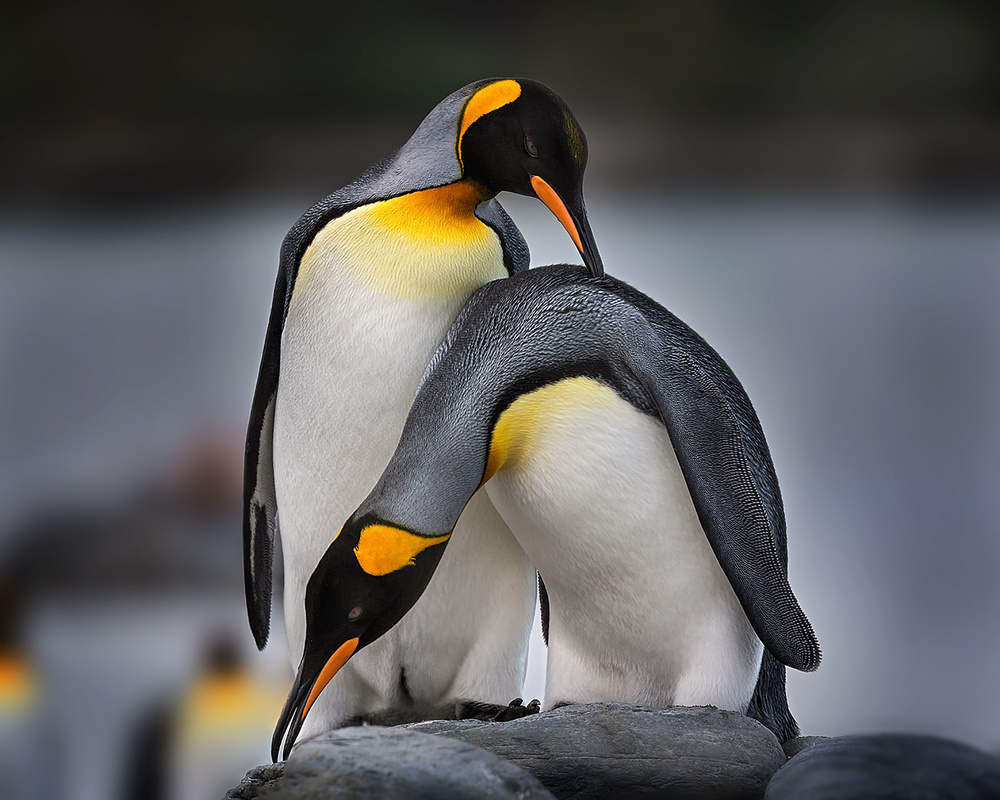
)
(302, 696)
(595, 265)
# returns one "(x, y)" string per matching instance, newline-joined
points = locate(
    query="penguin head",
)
(369, 577)
(519, 136)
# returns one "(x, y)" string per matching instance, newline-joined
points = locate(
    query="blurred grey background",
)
(815, 188)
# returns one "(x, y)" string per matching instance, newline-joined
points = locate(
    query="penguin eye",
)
(354, 613)
(530, 147)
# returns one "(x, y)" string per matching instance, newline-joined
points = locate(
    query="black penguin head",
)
(369, 577)
(519, 136)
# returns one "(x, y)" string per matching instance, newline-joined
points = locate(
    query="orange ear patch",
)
(383, 549)
(489, 98)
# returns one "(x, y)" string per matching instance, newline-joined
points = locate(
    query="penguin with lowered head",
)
(630, 465)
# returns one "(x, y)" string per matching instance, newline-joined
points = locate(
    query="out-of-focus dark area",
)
(124, 102)
(814, 187)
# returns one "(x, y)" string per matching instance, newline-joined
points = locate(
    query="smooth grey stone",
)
(886, 767)
(397, 763)
(606, 750)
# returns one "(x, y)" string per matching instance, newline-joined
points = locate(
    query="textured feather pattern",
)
(710, 447)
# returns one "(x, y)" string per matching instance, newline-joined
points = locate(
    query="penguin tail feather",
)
(769, 704)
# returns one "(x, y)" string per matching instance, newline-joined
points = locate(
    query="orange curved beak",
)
(302, 696)
(576, 225)
(331, 668)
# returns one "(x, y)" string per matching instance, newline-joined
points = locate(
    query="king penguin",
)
(369, 281)
(630, 465)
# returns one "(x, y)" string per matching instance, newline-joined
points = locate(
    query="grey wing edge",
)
(713, 453)
(260, 518)
(516, 257)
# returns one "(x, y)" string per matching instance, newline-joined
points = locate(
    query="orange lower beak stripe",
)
(555, 204)
(332, 666)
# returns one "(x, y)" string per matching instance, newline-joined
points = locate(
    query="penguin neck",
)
(423, 245)
(476, 430)
(425, 487)
(482, 409)
(520, 425)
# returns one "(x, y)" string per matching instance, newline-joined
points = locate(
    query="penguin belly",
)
(640, 609)
(353, 352)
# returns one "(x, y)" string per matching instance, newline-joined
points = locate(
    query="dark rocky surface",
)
(795, 746)
(256, 781)
(886, 767)
(611, 750)
(392, 763)
(618, 750)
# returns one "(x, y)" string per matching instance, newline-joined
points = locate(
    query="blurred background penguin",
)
(192, 742)
(24, 773)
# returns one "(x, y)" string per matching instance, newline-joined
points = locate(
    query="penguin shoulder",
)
(428, 159)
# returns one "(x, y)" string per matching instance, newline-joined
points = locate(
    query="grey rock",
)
(887, 766)
(396, 763)
(607, 750)
(256, 779)
(795, 746)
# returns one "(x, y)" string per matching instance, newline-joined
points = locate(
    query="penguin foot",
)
(493, 712)
(533, 707)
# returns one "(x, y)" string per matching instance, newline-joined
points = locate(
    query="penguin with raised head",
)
(629, 463)
(369, 281)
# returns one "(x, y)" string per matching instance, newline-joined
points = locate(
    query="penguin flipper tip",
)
(257, 563)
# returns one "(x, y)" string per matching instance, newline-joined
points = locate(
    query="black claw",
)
(514, 710)
(491, 712)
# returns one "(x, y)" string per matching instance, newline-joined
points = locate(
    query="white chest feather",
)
(641, 611)
(375, 293)
(371, 302)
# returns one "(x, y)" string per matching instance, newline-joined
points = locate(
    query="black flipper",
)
(260, 510)
(543, 604)
(710, 447)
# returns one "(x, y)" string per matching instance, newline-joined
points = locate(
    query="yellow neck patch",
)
(518, 428)
(444, 214)
(487, 99)
(423, 245)
(383, 549)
